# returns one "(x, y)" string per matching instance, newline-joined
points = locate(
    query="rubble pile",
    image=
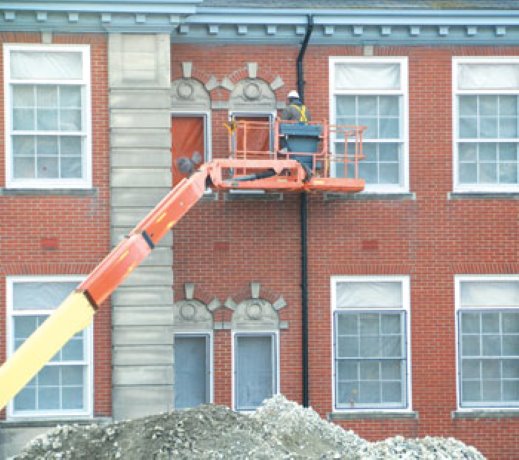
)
(280, 429)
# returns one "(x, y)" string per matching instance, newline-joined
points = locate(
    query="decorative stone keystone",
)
(187, 68)
(252, 69)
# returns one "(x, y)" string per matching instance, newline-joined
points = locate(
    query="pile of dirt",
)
(280, 429)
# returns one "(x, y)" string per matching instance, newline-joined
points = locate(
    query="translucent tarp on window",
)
(46, 65)
(490, 293)
(47, 108)
(255, 370)
(372, 294)
(379, 76)
(40, 295)
(380, 114)
(370, 359)
(493, 76)
(191, 371)
(54, 388)
(489, 358)
(188, 140)
(61, 384)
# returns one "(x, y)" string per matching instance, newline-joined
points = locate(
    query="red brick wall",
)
(79, 224)
(431, 239)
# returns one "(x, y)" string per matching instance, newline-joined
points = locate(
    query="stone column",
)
(139, 75)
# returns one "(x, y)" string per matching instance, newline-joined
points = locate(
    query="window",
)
(370, 343)
(259, 136)
(488, 342)
(372, 93)
(63, 386)
(48, 109)
(189, 134)
(192, 370)
(486, 133)
(253, 141)
(255, 369)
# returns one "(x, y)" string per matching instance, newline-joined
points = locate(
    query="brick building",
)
(406, 319)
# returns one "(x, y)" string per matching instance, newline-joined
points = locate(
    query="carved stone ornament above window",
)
(252, 94)
(255, 314)
(191, 315)
(189, 94)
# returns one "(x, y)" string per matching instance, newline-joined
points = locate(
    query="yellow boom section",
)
(72, 316)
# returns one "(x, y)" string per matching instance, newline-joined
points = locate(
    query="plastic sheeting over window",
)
(42, 65)
(61, 387)
(489, 358)
(40, 295)
(383, 76)
(371, 359)
(489, 293)
(191, 371)
(255, 370)
(188, 141)
(372, 294)
(254, 139)
(493, 76)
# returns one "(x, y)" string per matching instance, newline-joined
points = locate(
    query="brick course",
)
(224, 245)
(78, 224)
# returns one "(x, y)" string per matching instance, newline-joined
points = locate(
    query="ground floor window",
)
(192, 370)
(255, 369)
(370, 342)
(488, 342)
(63, 386)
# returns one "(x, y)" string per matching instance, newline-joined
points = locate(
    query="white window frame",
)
(206, 115)
(458, 280)
(271, 114)
(210, 343)
(80, 183)
(89, 347)
(404, 118)
(406, 309)
(456, 61)
(253, 333)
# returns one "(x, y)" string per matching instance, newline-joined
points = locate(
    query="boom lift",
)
(276, 169)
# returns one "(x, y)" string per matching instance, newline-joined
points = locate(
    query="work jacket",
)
(296, 111)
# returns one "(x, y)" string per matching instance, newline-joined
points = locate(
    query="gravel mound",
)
(280, 429)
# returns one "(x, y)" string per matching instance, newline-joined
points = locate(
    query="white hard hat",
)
(293, 94)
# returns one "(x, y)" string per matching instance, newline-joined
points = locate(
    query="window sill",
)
(373, 415)
(483, 196)
(252, 195)
(210, 195)
(48, 192)
(52, 422)
(370, 196)
(485, 413)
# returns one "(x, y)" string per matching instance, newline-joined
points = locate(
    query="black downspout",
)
(304, 231)
(300, 57)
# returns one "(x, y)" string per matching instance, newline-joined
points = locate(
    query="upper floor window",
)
(63, 386)
(373, 92)
(371, 365)
(47, 106)
(486, 134)
(488, 342)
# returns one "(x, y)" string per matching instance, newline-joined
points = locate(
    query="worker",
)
(295, 110)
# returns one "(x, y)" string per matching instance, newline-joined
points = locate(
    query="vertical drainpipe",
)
(304, 231)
